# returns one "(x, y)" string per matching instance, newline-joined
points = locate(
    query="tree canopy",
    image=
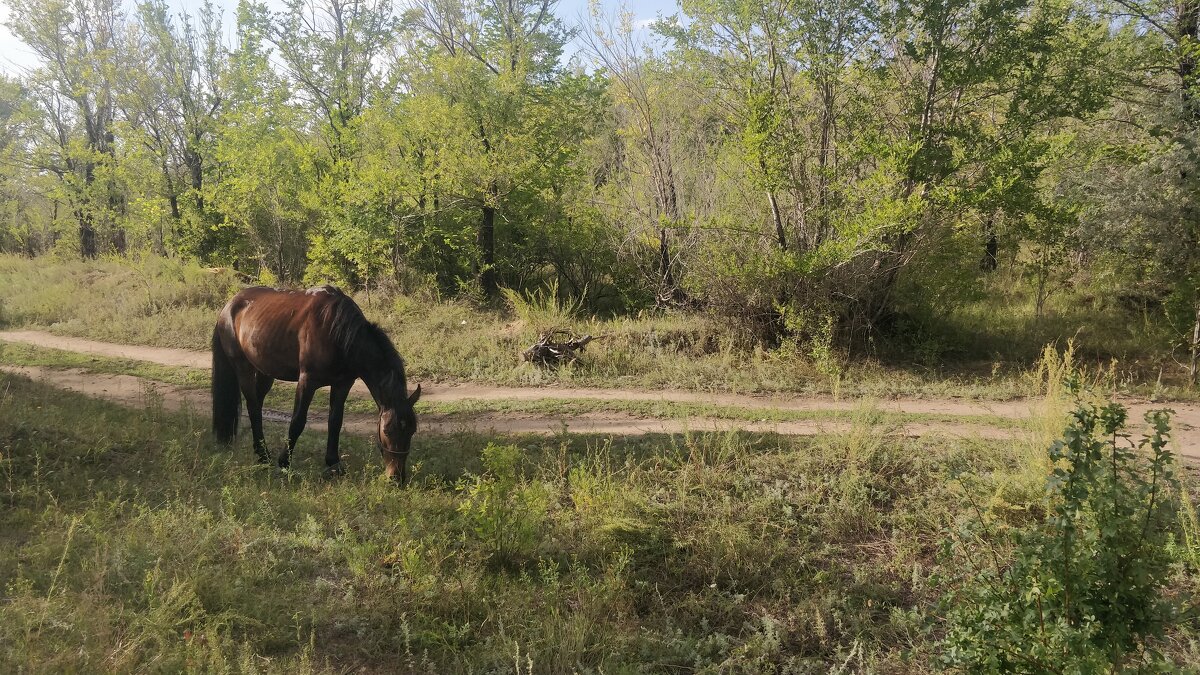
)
(809, 169)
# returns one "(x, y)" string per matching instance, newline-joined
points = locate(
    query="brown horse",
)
(315, 338)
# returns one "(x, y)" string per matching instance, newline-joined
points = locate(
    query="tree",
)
(328, 49)
(491, 60)
(1143, 190)
(646, 132)
(268, 170)
(77, 41)
(25, 225)
(174, 98)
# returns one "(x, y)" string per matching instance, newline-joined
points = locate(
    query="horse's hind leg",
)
(337, 406)
(263, 386)
(255, 387)
(304, 396)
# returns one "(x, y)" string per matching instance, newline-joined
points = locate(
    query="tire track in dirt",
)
(436, 392)
(142, 393)
(133, 391)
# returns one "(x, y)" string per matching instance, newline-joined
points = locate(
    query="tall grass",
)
(165, 302)
(542, 310)
(145, 300)
(135, 544)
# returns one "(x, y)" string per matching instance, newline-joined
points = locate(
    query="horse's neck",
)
(379, 370)
(384, 382)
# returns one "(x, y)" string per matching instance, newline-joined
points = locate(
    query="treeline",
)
(814, 170)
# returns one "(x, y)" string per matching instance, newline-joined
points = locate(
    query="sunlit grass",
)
(133, 542)
(162, 302)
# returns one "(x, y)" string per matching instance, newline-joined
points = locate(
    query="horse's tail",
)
(226, 395)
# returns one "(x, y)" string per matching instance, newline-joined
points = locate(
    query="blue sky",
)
(15, 57)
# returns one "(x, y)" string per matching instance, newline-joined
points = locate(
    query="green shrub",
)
(543, 309)
(1082, 591)
(503, 509)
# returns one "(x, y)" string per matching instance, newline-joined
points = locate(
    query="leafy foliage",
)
(504, 510)
(874, 165)
(1083, 588)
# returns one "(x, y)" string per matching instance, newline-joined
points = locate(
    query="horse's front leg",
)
(337, 406)
(304, 396)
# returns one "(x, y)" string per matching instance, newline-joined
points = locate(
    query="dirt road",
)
(140, 392)
(134, 391)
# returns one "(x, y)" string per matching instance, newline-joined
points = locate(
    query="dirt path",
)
(434, 393)
(129, 390)
(164, 356)
(141, 393)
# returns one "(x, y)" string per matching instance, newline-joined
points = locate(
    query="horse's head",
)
(397, 424)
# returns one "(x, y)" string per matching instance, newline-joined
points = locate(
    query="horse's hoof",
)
(335, 470)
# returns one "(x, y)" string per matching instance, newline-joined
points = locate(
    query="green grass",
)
(282, 396)
(132, 543)
(163, 302)
(682, 410)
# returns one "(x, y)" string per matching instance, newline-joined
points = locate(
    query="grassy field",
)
(982, 352)
(132, 543)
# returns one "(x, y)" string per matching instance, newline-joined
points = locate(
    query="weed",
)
(504, 510)
(1082, 590)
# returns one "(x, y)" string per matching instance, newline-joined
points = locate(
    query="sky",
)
(15, 57)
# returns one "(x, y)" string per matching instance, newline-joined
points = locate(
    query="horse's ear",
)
(415, 396)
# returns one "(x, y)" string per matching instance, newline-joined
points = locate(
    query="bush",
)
(504, 510)
(1082, 589)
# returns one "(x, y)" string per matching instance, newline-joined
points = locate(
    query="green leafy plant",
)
(503, 509)
(543, 309)
(1082, 588)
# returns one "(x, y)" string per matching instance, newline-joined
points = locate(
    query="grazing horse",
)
(315, 338)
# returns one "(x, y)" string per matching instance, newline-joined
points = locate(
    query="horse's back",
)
(273, 303)
(277, 330)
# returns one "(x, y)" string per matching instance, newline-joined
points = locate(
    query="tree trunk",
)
(172, 193)
(668, 208)
(780, 234)
(195, 165)
(87, 237)
(1195, 346)
(1043, 282)
(664, 260)
(827, 122)
(87, 231)
(991, 246)
(486, 241)
(1188, 23)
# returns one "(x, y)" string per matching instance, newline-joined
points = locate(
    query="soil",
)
(140, 392)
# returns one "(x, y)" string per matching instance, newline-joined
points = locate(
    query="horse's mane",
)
(354, 334)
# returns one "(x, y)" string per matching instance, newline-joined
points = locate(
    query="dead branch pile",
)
(557, 347)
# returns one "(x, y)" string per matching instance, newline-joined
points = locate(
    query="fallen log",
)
(550, 352)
